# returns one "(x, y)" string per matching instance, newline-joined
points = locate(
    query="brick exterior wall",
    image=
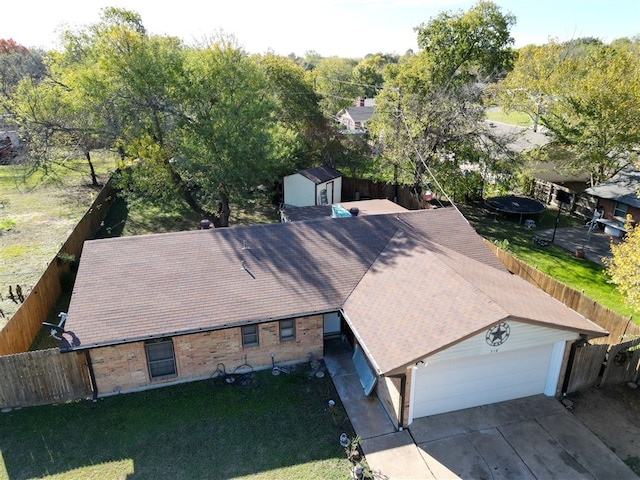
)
(610, 205)
(123, 368)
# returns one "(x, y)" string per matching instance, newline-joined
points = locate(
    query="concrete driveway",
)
(529, 438)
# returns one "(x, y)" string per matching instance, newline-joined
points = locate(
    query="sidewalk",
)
(390, 453)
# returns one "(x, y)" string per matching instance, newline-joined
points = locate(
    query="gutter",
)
(67, 346)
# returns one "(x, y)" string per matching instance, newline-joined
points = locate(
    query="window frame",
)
(153, 365)
(244, 334)
(287, 338)
(620, 208)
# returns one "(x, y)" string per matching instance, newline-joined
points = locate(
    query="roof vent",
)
(354, 211)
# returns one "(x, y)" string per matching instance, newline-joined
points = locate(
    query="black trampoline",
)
(515, 204)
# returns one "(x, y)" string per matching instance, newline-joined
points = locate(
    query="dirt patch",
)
(613, 414)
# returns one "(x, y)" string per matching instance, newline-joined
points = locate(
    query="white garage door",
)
(453, 385)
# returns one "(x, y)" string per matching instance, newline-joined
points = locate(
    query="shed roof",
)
(375, 206)
(320, 174)
(404, 292)
(623, 187)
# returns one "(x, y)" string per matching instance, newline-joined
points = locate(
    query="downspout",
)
(403, 390)
(572, 354)
(92, 375)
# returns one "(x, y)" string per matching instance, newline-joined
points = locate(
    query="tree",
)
(225, 126)
(193, 124)
(623, 267)
(297, 110)
(333, 81)
(473, 45)
(429, 115)
(533, 83)
(586, 94)
(79, 105)
(368, 74)
(597, 115)
(17, 63)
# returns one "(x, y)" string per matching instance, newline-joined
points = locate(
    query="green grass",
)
(143, 218)
(38, 213)
(512, 118)
(580, 274)
(7, 224)
(275, 428)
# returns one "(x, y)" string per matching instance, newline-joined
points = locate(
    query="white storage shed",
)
(313, 186)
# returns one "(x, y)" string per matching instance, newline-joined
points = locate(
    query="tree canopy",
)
(587, 96)
(623, 267)
(206, 123)
(429, 116)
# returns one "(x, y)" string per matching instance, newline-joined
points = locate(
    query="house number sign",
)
(498, 335)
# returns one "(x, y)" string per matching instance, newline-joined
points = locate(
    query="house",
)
(313, 186)
(618, 198)
(435, 321)
(356, 117)
(523, 139)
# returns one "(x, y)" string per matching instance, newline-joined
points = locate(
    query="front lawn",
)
(277, 427)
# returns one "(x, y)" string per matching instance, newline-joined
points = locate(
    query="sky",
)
(344, 28)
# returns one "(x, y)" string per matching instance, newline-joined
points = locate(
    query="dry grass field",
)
(37, 214)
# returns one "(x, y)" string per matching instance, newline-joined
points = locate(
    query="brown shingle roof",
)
(446, 298)
(391, 273)
(136, 287)
(320, 174)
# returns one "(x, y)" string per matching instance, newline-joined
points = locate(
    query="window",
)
(620, 211)
(287, 329)
(160, 358)
(250, 336)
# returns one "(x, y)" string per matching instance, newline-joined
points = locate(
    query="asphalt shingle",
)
(410, 283)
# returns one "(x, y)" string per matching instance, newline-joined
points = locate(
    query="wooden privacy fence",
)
(582, 204)
(586, 367)
(23, 326)
(619, 327)
(604, 365)
(43, 377)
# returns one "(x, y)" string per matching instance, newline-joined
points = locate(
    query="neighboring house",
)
(617, 198)
(523, 139)
(313, 186)
(435, 321)
(356, 117)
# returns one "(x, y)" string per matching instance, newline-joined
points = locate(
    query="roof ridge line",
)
(391, 237)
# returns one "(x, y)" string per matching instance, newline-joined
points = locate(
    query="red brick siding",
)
(610, 205)
(122, 368)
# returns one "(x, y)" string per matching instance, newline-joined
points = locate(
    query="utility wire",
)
(424, 163)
